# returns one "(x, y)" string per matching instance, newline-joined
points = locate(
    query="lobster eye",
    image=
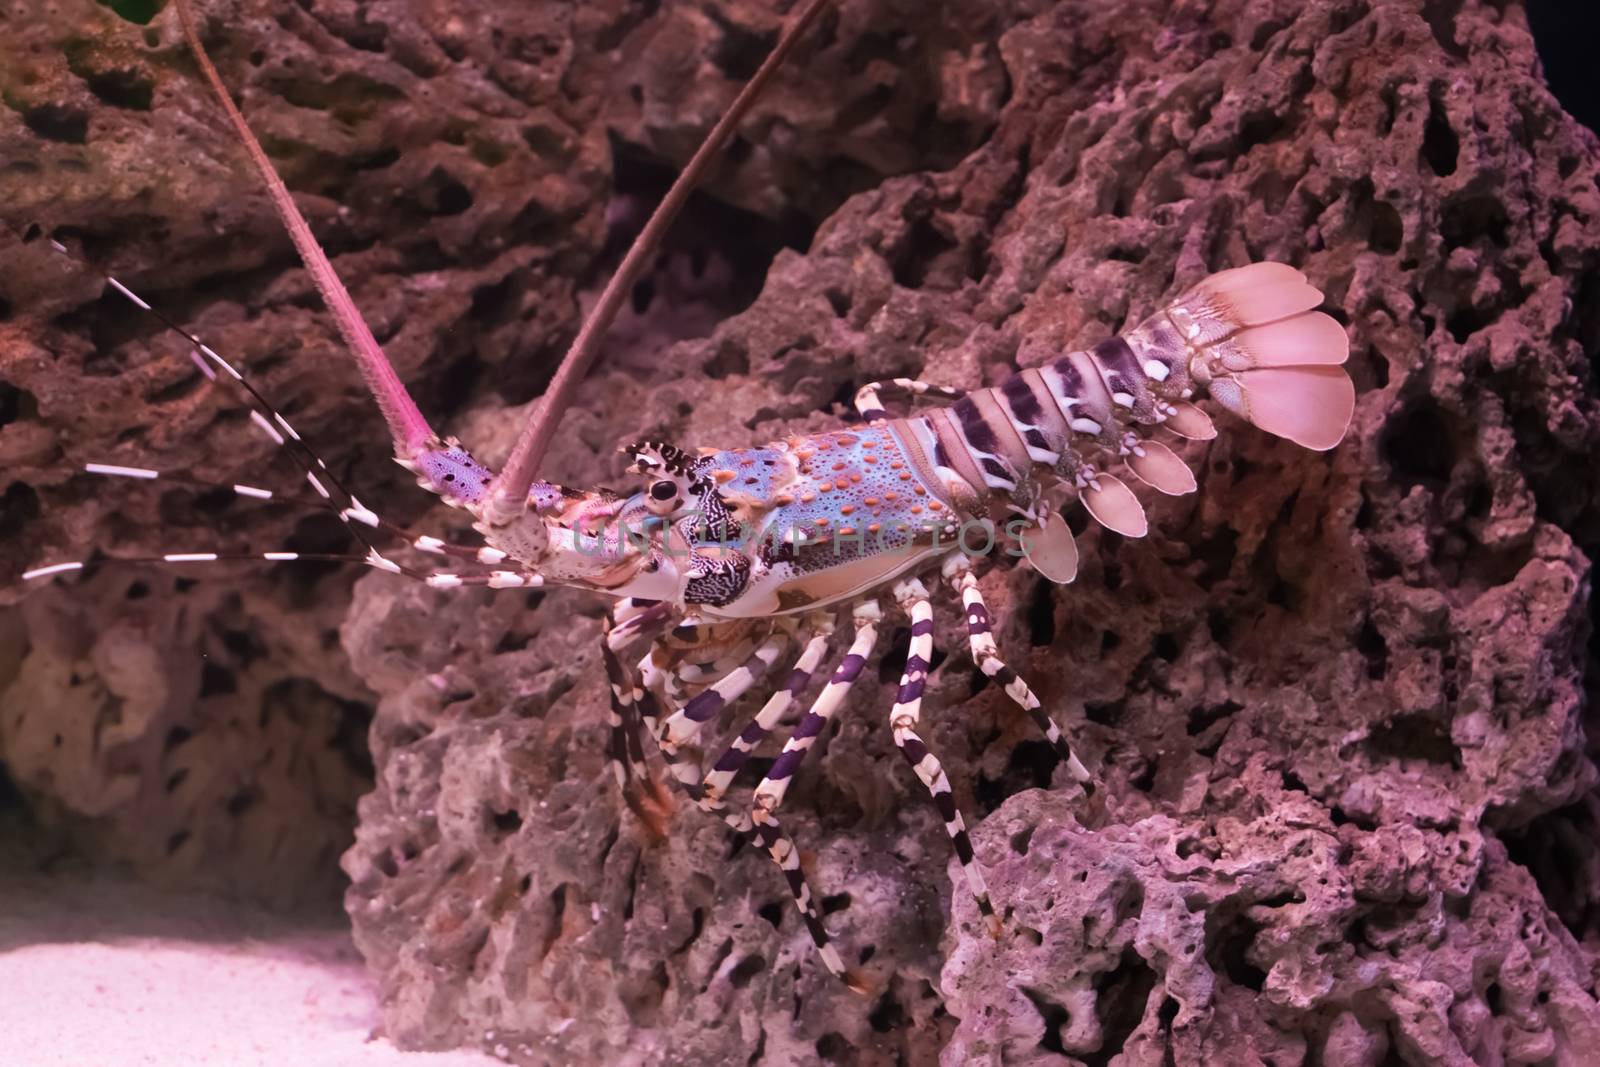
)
(663, 490)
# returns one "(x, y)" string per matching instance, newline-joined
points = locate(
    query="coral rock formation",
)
(1336, 702)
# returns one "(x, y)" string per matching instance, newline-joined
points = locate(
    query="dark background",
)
(1566, 32)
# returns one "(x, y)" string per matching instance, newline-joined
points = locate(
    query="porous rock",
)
(1334, 703)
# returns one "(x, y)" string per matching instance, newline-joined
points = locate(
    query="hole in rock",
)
(1227, 951)
(1414, 736)
(1417, 444)
(1122, 996)
(129, 89)
(1042, 615)
(56, 123)
(887, 1014)
(746, 969)
(1055, 1016)
(835, 902)
(139, 12)
(1440, 145)
(833, 1048)
(216, 679)
(1556, 850)
(19, 505)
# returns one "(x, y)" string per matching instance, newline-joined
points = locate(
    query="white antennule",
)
(54, 568)
(374, 559)
(120, 472)
(356, 512)
(263, 415)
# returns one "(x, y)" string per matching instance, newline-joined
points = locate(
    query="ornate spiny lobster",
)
(729, 558)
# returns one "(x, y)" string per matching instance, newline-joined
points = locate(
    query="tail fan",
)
(1258, 347)
(1245, 296)
(1310, 406)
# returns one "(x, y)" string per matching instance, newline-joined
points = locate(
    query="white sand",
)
(111, 975)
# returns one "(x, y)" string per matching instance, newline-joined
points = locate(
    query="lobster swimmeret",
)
(726, 558)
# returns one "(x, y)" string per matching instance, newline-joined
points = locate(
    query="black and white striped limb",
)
(685, 724)
(903, 720)
(869, 398)
(727, 766)
(770, 793)
(628, 622)
(987, 655)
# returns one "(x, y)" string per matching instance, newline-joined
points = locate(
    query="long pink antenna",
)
(409, 429)
(510, 493)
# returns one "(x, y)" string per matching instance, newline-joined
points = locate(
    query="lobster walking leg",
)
(903, 719)
(731, 762)
(683, 725)
(694, 653)
(769, 794)
(630, 621)
(869, 398)
(623, 750)
(987, 656)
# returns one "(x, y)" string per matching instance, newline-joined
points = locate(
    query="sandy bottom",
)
(103, 973)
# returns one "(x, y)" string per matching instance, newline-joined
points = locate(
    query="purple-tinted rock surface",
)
(1337, 702)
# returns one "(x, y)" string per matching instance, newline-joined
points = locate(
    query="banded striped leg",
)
(987, 656)
(646, 718)
(903, 719)
(683, 775)
(632, 620)
(694, 653)
(769, 794)
(623, 751)
(685, 724)
(869, 398)
(700, 674)
(627, 622)
(717, 780)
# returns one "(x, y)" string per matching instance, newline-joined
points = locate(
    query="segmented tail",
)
(1250, 337)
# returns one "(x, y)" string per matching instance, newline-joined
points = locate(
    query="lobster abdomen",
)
(1249, 337)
